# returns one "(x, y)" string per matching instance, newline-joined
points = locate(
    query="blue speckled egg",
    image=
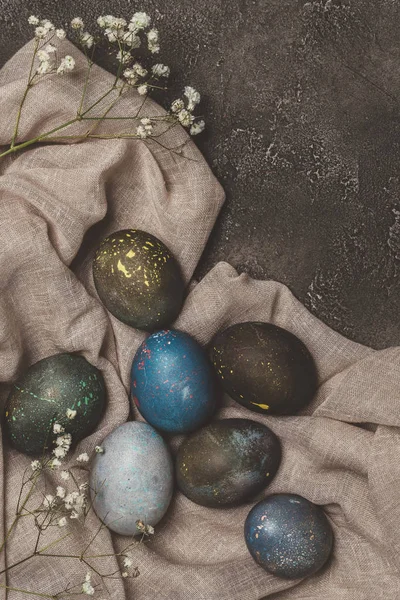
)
(132, 479)
(288, 536)
(172, 382)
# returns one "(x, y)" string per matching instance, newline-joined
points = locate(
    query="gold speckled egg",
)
(138, 279)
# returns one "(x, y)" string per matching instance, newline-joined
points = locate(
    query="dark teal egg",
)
(265, 368)
(288, 536)
(138, 279)
(172, 382)
(43, 395)
(227, 462)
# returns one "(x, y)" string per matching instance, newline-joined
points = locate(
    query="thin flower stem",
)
(28, 87)
(39, 138)
(90, 64)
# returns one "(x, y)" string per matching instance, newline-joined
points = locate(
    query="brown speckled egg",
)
(264, 367)
(138, 280)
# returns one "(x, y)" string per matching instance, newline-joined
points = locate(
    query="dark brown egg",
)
(138, 280)
(264, 367)
(227, 462)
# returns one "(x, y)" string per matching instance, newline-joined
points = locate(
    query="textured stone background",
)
(302, 107)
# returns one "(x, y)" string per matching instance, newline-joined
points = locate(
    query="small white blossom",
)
(84, 486)
(48, 501)
(65, 475)
(160, 70)
(84, 457)
(131, 39)
(43, 56)
(71, 414)
(124, 57)
(193, 97)
(127, 562)
(142, 89)
(63, 443)
(62, 522)
(99, 450)
(124, 574)
(44, 67)
(40, 32)
(140, 20)
(185, 117)
(76, 503)
(87, 587)
(57, 428)
(141, 131)
(67, 64)
(60, 492)
(74, 515)
(102, 22)
(60, 33)
(48, 25)
(54, 463)
(50, 48)
(177, 105)
(32, 20)
(87, 40)
(36, 465)
(152, 41)
(141, 71)
(77, 23)
(197, 127)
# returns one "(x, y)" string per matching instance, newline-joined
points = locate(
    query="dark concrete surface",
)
(302, 107)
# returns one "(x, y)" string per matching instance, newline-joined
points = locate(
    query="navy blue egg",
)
(172, 382)
(288, 536)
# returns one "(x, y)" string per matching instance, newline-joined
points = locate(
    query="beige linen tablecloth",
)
(51, 196)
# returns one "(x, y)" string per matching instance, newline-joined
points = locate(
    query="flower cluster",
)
(183, 109)
(129, 35)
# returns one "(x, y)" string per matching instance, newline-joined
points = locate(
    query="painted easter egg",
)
(138, 280)
(227, 462)
(132, 479)
(264, 367)
(47, 393)
(288, 536)
(172, 382)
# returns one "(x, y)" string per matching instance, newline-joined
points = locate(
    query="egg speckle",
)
(172, 382)
(227, 462)
(44, 394)
(138, 280)
(288, 536)
(132, 479)
(265, 368)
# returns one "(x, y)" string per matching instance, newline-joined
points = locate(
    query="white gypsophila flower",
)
(177, 105)
(127, 562)
(141, 71)
(48, 25)
(60, 492)
(32, 20)
(124, 57)
(99, 450)
(44, 67)
(145, 121)
(76, 503)
(87, 587)
(71, 414)
(63, 443)
(57, 428)
(142, 89)
(185, 117)
(124, 574)
(160, 70)
(112, 34)
(140, 20)
(193, 97)
(40, 32)
(60, 33)
(62, 522)
(67, 64)
(84, 486)
(87, 40)
(131, 39)
(141, 131)
(65, 475)
(54, 463)
(197, 127)
(50, 48)
(36, 465)
(43, 56)
(152, 41)
(84, 457)
(131, 76)
(48, 501)
(77, 23)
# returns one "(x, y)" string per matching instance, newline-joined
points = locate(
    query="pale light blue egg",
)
(132, 479)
